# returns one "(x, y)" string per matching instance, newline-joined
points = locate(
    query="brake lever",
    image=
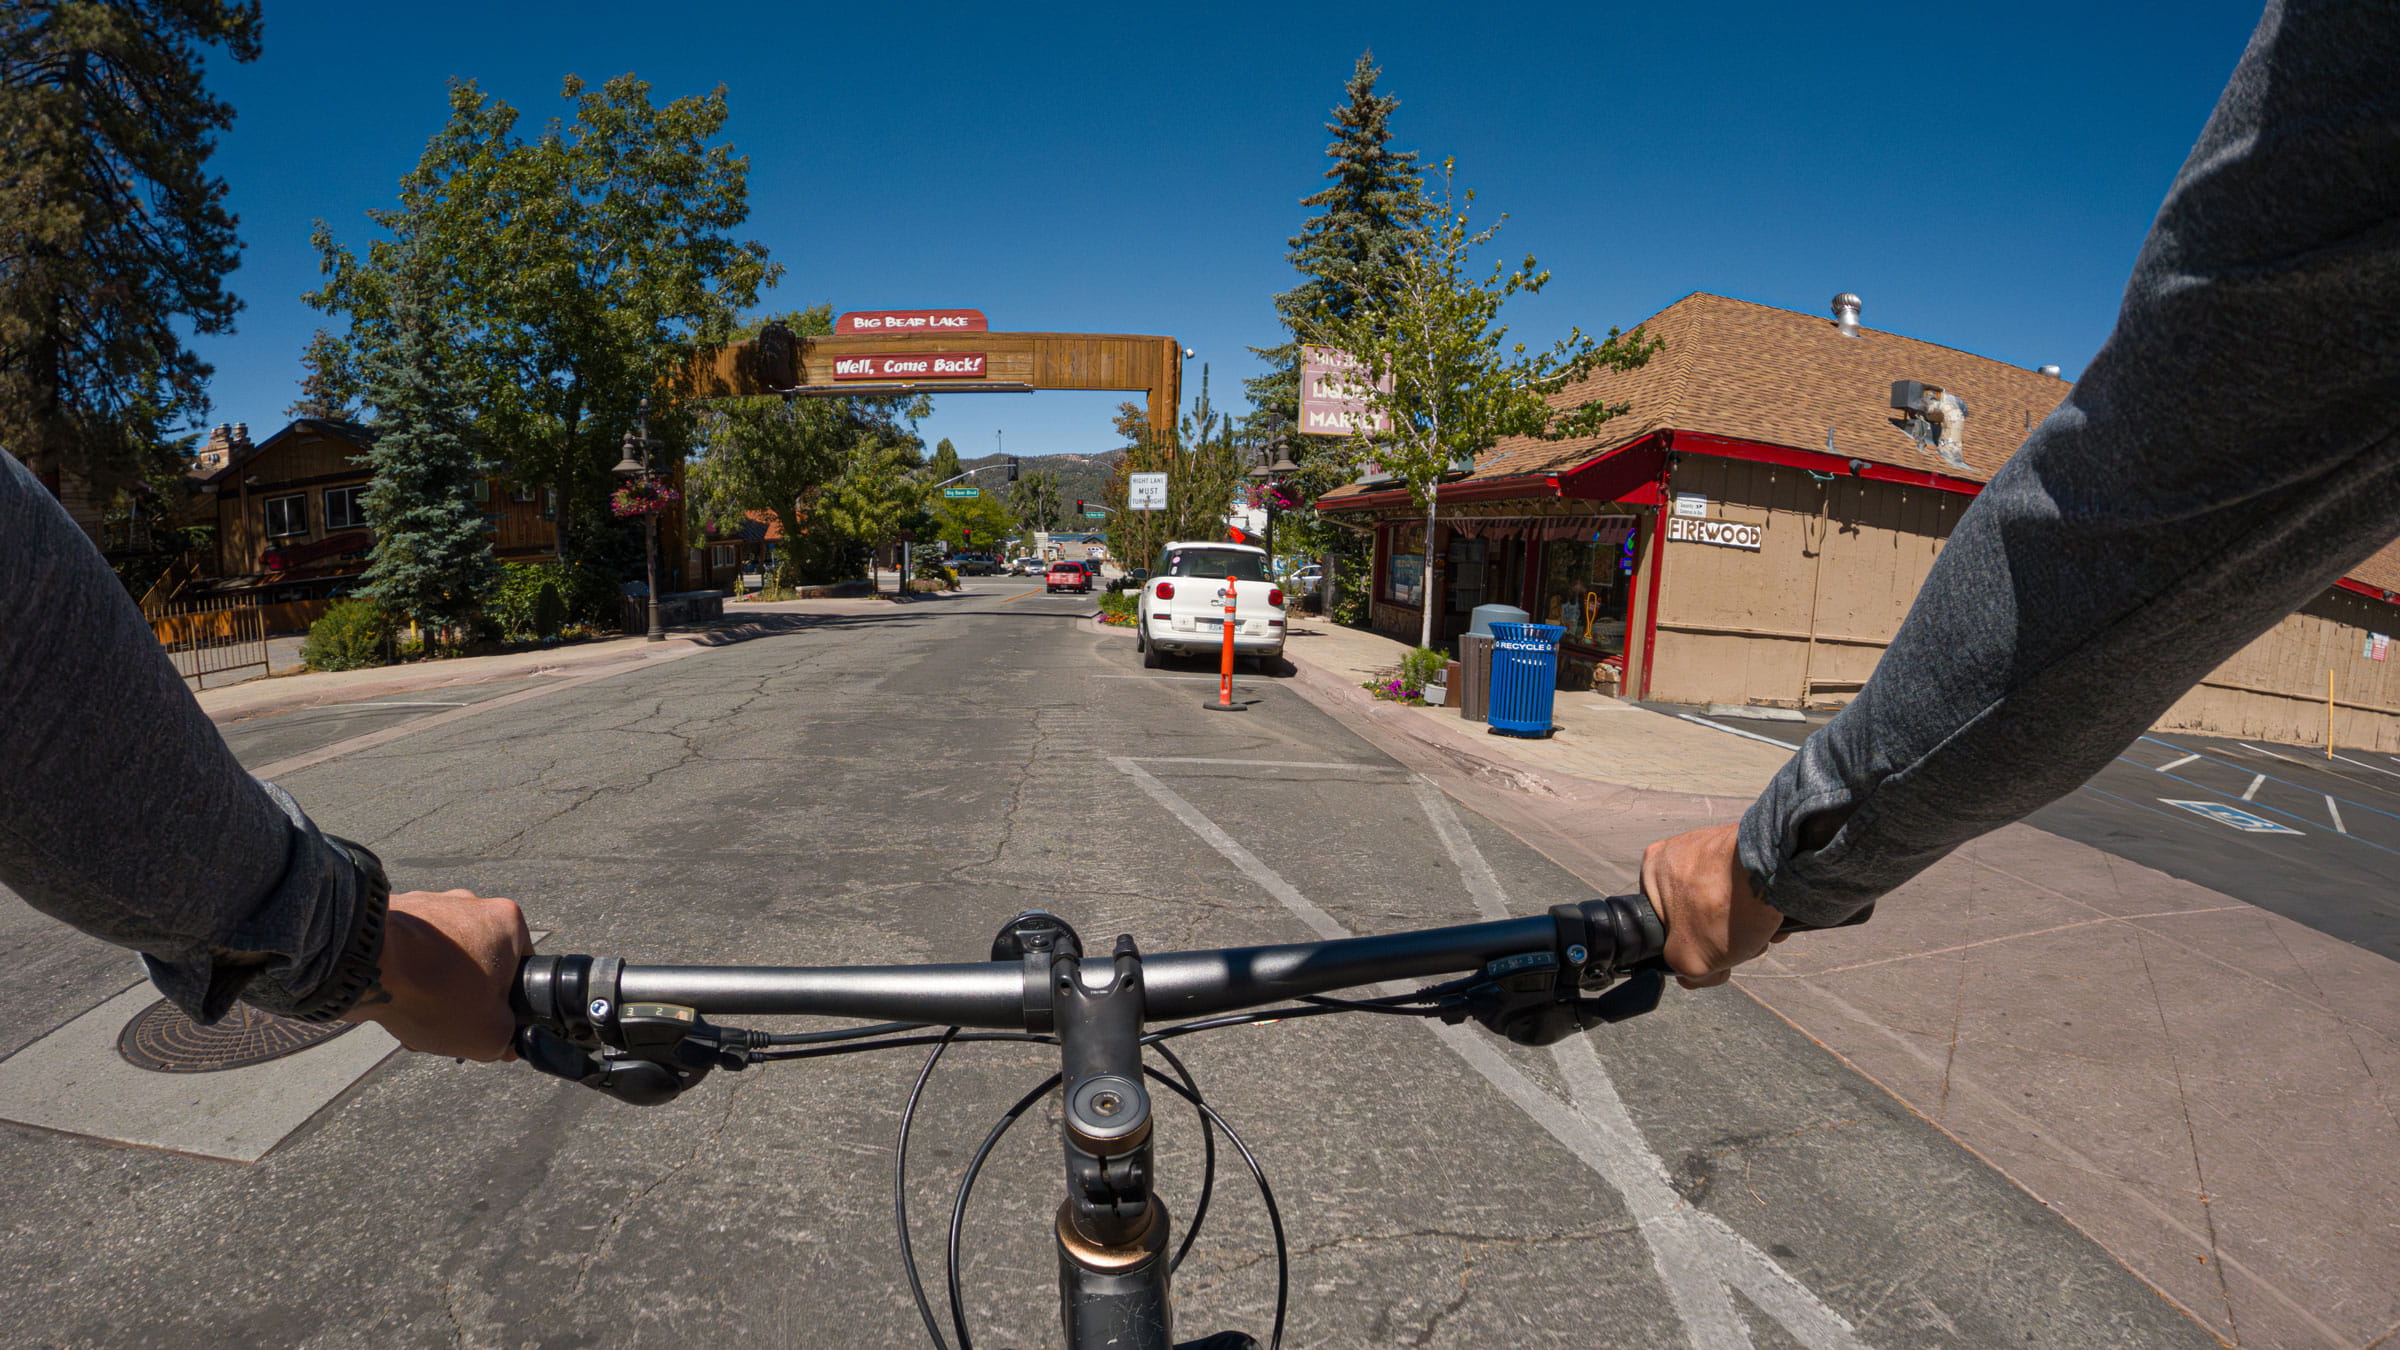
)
(667, 1050)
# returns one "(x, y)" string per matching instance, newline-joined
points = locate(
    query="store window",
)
(483, 491)
(1404, 575)
(345, 507)
(1586, 587)
(287, 516)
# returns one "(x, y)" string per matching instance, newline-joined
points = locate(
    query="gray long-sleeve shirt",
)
(2230, 452)
(121, 810)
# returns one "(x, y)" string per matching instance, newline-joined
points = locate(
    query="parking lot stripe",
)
(2252, 790)
(1737, 731)
(2335, 812)
(2176, 763)
(2363, 764)
(1267, 763)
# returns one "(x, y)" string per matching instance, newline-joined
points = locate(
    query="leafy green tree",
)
(114, 238)
(578, 270)
(879, 493)
(1205, 463)
(985, 517)
(1035, 500)
(943, 462)
(333, 387)
(1458, 386)
(1371, 212)
(432, 561)
(777, 455)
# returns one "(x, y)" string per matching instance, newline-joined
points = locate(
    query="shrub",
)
(1117, 609)
(531, 601)
(353, 633)
(1420, 666)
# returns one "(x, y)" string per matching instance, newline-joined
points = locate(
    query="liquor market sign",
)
(1333, 393)
(911, 366)
(866, 322)
(1722, 533)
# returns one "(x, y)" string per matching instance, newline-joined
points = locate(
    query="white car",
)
(1182, 608)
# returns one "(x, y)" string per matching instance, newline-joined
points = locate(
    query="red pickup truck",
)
(1068, 576)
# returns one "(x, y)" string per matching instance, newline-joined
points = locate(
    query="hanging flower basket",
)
(643, 497)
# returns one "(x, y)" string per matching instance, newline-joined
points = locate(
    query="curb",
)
(431, 676)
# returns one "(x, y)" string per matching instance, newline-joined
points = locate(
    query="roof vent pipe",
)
(1845, 313)
(2052, 372)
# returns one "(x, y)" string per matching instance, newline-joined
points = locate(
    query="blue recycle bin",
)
(1524, 677)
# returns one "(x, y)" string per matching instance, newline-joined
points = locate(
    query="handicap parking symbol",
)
(2234, 816)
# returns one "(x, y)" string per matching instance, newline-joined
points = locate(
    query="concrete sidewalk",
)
(2209, 1090)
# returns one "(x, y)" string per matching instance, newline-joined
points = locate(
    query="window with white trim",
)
(346, 507)
(287, 516)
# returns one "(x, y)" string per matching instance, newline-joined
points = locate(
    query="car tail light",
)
(1275, 598)
(1166, 590)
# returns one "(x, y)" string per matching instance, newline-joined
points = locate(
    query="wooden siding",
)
(1805, 619)
(2274, 689)
(1839, 559)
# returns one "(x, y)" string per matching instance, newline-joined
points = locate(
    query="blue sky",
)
(1980, 174)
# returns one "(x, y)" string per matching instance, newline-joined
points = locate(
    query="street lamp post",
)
(1270, 478)
(636, 464)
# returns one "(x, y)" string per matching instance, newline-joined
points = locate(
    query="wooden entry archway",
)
(778, 363)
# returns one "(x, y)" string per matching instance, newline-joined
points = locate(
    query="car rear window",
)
(1239, 564)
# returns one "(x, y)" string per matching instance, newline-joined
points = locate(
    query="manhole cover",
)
(161, 1039)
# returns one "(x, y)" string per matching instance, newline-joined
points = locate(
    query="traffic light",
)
(1079, 506)
(969, 532)
(1012, 468)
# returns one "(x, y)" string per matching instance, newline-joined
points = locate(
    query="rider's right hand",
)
(449, 960)
(1715, 918)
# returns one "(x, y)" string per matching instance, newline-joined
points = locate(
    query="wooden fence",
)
(210, 637)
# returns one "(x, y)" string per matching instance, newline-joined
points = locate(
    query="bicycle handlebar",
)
(1604, 936)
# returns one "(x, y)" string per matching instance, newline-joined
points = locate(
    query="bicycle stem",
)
(1111, 1230)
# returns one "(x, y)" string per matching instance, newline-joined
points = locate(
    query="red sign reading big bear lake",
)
(910, 366)
(861, 322)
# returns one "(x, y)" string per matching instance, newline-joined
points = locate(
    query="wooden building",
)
(292, 526)
(1754, 530)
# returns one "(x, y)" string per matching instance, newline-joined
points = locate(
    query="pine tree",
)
(114, 238)
(331, 389)
(943, 463)
(1368, 216)
(432, 562)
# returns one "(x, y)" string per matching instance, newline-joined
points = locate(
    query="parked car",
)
(1182, 608)
(975, 565)
(1068, 576)
(1305, 580)
(1027, 566)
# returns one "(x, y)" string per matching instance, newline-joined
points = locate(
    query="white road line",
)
(2252, 790)
(2336, 812)
(1737, 731)
(343, 707)
(1698, 1258)
(1267, 763)
(2264, 751)
(2176, 763)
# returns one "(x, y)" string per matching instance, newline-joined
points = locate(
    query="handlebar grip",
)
(1657, 960)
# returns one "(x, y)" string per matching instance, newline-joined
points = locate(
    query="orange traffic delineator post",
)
(1225, 701)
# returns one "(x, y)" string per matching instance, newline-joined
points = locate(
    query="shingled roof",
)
(1756, 373)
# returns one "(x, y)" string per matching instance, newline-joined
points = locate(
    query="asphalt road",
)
(891, 788)
(2285, 828)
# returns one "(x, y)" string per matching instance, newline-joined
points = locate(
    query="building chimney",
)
(1845, 313)
(241, 433)
(2052, 372)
